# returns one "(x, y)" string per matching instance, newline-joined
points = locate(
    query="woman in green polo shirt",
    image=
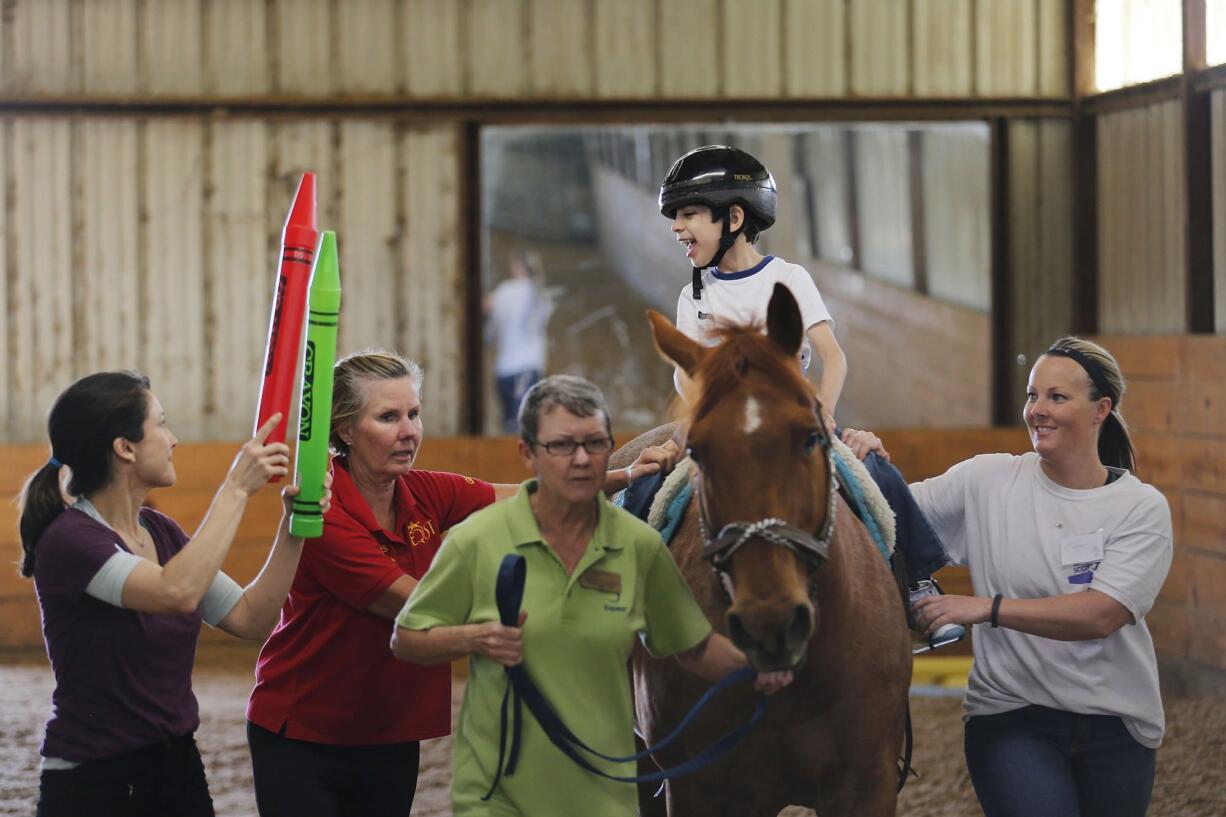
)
(597, 578)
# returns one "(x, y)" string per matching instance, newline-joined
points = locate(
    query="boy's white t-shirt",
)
(1024, 536)
(742, 298)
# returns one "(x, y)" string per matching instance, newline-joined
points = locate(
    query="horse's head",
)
(756, 434)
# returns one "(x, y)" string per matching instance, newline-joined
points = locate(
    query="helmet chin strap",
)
(726, 240)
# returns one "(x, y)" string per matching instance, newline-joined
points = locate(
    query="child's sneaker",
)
(946, 634)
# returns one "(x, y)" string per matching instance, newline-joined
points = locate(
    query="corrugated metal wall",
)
(1039, 213)
(151, 242)
(639, 49)
(1142, 213)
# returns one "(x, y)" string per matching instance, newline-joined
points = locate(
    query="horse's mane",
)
(742, 352)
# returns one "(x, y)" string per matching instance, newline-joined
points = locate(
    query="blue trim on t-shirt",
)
(736, 276)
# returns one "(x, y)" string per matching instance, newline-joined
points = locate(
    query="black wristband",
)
(995, 610)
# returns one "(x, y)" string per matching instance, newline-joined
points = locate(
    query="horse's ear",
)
(783, 322)
(673, 345)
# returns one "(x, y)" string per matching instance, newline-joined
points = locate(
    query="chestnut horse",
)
(829, 610)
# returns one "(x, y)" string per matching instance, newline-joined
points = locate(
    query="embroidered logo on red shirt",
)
(418, 533)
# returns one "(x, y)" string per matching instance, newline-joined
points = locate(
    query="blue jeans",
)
(511, 390)
(1040, 762)
(914, 537)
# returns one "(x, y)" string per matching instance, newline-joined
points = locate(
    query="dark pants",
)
(166, 778)
(1040, 762)
(296, 777)
(511, 390)
(914, 537)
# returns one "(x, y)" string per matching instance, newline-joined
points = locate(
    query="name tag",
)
(602, 580)
(1087, 547)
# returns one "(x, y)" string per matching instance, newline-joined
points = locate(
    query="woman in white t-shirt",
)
(1067, 552)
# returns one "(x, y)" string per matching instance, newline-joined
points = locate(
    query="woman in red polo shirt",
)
(334, 719)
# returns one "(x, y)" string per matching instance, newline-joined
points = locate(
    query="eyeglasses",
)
(564, 448)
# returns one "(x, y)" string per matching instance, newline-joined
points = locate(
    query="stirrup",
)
(951, 636)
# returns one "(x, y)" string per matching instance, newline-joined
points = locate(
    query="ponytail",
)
(1114, 443)
(40, 502)
(84, 422)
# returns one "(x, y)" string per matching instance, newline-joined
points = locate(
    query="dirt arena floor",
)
(1191, 778)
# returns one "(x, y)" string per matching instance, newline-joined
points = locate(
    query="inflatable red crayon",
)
(289, 303)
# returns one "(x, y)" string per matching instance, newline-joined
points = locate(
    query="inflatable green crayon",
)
(319, 355)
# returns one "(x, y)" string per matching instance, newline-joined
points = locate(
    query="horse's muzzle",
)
(772, 640)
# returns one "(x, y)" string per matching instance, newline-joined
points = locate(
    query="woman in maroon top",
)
(123, 591)
(334, 720)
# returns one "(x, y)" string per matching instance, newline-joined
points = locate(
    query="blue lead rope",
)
(522, 691)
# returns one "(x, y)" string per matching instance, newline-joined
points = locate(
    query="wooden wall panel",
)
(942, 47)
(304, 47)
(878, 47)
(107, 284)
(498, 59)
(1142, 212)
(40, 272)
(174, 303)
(7, 410)
(1006, 47)
(560, 48)
(957, 222)
(1218, 118)
(108, 55)
(693, 70)
(236, 58)
(368, 235)
(431, 303)
(202, 466)
(755, 72)
(433, 48)
(884, 190)
(1175, 399)
(625, 42)
(240, 271)
(172, 60)
(368, 56)
(815, 45)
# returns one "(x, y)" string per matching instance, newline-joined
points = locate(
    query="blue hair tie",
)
(53, 461)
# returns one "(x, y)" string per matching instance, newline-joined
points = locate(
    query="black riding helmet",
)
(719, 176)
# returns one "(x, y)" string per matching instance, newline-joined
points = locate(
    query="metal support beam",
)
(1197, 161)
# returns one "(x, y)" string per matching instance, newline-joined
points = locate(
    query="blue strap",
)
(522, 691)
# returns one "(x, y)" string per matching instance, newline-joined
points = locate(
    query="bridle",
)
(812, 549)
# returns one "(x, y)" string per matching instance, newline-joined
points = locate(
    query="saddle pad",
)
(866, 492)
(669, 504)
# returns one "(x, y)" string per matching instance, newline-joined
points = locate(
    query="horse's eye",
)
(811, 441)
(692, 454)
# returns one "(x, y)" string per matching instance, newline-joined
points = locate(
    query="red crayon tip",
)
(300, 230)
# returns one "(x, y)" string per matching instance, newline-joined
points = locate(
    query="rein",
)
(522, 691)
